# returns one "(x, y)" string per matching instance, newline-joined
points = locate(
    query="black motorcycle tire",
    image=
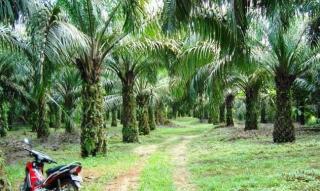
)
(69, 187)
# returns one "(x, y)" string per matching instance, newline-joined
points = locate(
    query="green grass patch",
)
(157, 174)
(219, 161)
(119, 159)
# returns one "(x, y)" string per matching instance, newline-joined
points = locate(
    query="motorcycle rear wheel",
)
(69, 187)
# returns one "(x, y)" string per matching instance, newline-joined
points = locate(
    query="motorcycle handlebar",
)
(40, 156)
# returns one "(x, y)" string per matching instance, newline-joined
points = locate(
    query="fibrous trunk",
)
(301, 107)
(214, 115)
(107, 115)
(318, 109)
(160, 116)
(201, 110)
(33, 117)
(4, 125)
(143, 115)
(11, 114)
(229, 105)
(222, 113)
(52, 116)
(174, 111)
(42, 118)
(263, 112)
(93, 126)
(69, 121)
(114, 117)
(55, 116)
(283, 126)
(58, 118)
(251, 121)
(119, 114)
(4, 186)
(152, 122)
(130, 131)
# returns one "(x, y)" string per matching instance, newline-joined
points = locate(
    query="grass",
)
(157, 174)
(219, 159)
(119, 159)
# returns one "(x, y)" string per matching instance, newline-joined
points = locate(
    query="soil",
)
(181, 174)
(130, 179)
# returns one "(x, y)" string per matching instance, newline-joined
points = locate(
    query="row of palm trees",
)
(192, 54)
(250, 46)
(69, 44)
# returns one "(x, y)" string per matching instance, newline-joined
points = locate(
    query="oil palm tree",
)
(44, 27)
(11, 75)
(308, 86)
(250, 81)
(113, 99)
(6, 74)
(136, 55)
(10, 10)
(40, 58)
(150, 89)
(288, 56)
(68, 87)
(102, 26)
(142, 100)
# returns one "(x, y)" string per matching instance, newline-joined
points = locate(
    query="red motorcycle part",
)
(34, 175)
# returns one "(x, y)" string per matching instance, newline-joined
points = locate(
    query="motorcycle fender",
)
(77, 180)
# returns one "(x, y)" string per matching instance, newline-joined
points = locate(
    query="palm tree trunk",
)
(201, 112)
(119, 114)
(318, 109)
(58, 118)
(174, 111)
(33, 117)
(11, 114)
(42, 118)
(251, 122)
(114, 117)
(263, 112)
(152, 122)
(93, 126)
(130, 131)
(144, 128)
(52, 115)
(4, 125)
(283, 126)
(160, 117)
(300, 114)
(222, 113)
(229, 105)
(214, 117)
(68, 121)
(3, 178)
(107, 115)
(68, 115)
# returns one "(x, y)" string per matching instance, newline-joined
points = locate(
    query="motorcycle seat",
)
(54, 169)
(61, 167)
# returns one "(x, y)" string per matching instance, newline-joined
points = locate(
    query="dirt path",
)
(181, 174)
(130, 180)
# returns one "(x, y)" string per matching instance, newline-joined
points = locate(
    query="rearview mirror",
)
(27, 141)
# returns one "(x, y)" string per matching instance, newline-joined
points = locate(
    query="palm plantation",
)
(147, 91)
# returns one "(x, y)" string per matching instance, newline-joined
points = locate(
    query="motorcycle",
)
(59, 178)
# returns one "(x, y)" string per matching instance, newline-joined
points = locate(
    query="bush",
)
(312, 120)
